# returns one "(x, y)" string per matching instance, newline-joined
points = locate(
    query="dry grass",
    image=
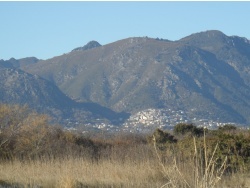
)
(78, 172)
(83, 173)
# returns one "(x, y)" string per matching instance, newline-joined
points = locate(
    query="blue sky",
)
(48, 29)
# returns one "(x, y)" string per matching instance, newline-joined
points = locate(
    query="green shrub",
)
(162, 137)
(227, 127)
(184, 128)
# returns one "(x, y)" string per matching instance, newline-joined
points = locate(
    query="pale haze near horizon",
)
(48, 29)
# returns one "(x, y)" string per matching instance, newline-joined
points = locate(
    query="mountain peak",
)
(209, 34)
(213, 32)
(211, 40)
(89, 45)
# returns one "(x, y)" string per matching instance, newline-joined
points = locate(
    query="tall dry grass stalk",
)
(206, 174)
(174, 176)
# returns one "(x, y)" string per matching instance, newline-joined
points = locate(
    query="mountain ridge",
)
(207, 72)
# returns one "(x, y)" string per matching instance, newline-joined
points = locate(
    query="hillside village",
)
(147, 121)
(165, 119)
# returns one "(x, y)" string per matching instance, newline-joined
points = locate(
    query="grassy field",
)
(35, 154)
(82, 173)
(138, 167)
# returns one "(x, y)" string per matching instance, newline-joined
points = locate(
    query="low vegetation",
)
(34, 153)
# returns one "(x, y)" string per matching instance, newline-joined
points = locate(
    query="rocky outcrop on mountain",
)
(90, 45)
(18, 63)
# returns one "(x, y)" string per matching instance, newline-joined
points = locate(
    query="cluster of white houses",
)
(166, 119)
(150, 119)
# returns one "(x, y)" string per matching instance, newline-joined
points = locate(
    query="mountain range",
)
(205, 74)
